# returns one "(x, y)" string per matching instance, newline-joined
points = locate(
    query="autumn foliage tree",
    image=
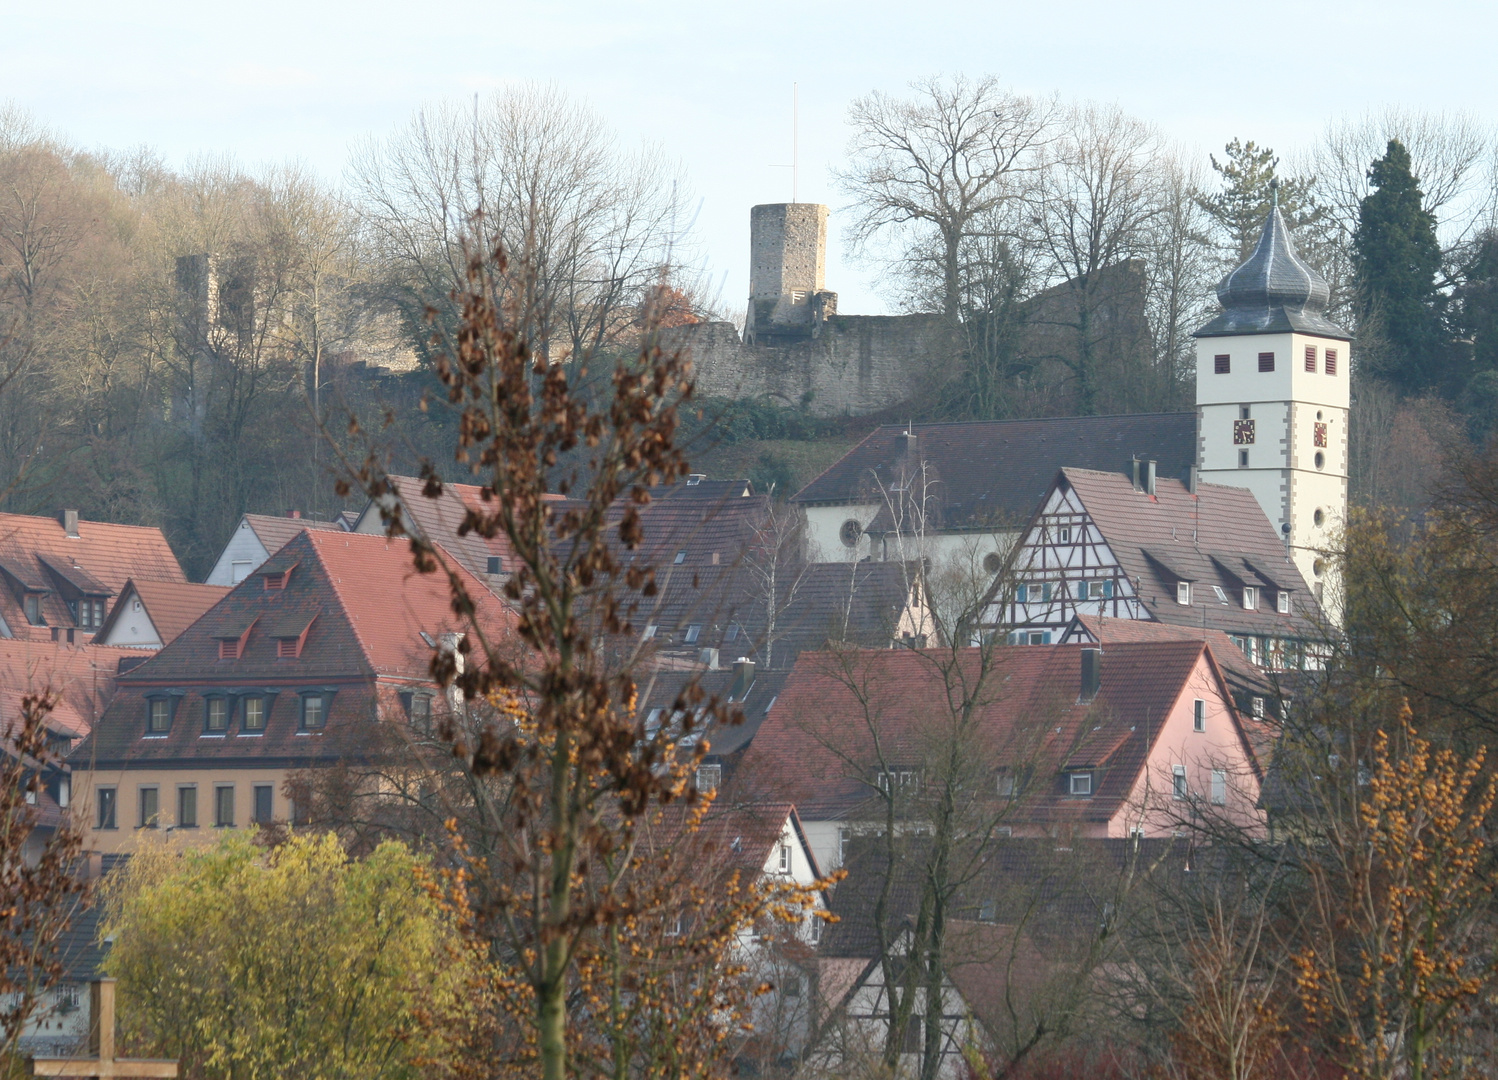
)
(555, 780)
(40, 890)
(1394, 959)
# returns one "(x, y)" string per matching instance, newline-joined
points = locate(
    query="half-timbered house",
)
(1159, 550)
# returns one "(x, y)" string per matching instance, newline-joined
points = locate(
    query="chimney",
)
(1191, 479)
(70, 523)
(743, 679)
(1135, 464)
(293, 513)
(1092, 673)
(1149, 477)
(708, 658)
(448, 643)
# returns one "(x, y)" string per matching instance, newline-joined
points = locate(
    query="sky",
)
(710, 84)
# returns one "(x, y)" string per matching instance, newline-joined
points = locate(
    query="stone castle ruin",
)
(798, 351)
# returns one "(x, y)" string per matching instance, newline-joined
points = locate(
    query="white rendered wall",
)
(243, 547)
(1285, 404)
(823, 531)
(133, 627)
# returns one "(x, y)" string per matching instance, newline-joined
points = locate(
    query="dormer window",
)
(1282, 602)
(1080, 784)
(228, 649)
(1183, 593)
(159, 715)
(277, 581)
(1250, 598)
(33, 607)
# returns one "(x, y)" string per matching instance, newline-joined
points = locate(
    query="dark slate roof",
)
(1217, 536)
(660, 690)
(1051, 889)
(993, 473)
(1274, 292)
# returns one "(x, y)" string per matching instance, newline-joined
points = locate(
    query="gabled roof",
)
(273, 532)
(1246, 680)
(364, 609)
(817, 746)
(172, 606)
(990, 474)
(437, 520)
(1217, 536)
(38, 555)
(378, 608)
(84, 675)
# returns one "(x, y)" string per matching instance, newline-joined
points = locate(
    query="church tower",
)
(1272, 400)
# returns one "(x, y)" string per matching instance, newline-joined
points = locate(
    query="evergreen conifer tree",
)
(1242, 204)
(1395, 260)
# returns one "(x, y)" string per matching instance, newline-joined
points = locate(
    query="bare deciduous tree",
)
(927, 169)
(592, 226)
(1095, 208)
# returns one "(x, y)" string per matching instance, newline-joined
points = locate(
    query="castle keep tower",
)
(1272, 399)
(788, 295)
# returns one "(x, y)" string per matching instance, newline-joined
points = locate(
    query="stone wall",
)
(852, 365)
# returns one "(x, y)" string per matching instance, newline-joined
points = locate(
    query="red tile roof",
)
(84, 675)
(102, 556)
(364, 608)
(172, 606)
(273, 532)
(817, 746)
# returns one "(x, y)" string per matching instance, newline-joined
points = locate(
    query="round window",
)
(1318, 517)
(850, 532)
(1320, 460)
(1318, 567)
(992, 562)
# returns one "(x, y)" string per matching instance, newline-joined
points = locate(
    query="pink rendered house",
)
(1124, 739)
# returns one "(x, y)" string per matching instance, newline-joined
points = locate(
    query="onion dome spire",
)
(1274, 291)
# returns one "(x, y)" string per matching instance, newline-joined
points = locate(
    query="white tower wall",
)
(1288, 408)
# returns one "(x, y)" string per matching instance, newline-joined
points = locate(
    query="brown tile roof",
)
(274, 532)
(365, 609)
(993, 473)
(36, 552)
(173, 606)
(1218, 536)
(817, 748)
(437, 520)
(84, 675)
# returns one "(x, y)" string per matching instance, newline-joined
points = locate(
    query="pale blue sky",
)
(711, 83)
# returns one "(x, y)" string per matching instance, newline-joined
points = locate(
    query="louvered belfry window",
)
(1311, 359)
(1331, 361)
(1222, 365)
(1266, 361)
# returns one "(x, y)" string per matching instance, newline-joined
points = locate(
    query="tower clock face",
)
(1318, 435)
(1243, 432)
